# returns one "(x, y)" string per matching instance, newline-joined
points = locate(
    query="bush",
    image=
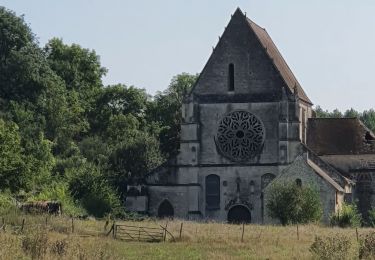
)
(59, 191)
(7, 204)
(331, 247)
(291, 203)
(348, 216)
(371, 217)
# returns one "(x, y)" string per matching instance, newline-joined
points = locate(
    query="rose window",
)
(240, 136)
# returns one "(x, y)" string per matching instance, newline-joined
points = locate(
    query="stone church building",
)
(246, 123)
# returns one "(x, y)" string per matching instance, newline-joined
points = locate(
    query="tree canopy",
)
(66, 136)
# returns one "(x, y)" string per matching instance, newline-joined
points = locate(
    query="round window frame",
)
(252, 154)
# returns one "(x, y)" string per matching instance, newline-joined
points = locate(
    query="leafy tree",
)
(11, 163)
(291, 203)
(166, 111)
(352, 113)
(117, 100)
(368, 118)
(336, 113)
(132, 159)
(320, 113)
(14, 34)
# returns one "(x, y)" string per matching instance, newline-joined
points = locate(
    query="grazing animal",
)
(50, 207)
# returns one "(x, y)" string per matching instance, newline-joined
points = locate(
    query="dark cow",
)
(50, 207)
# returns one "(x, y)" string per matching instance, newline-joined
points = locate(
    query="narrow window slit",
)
(231, 77)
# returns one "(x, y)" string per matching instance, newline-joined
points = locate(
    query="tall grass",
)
(198, 240)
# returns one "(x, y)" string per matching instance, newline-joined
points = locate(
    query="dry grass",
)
(198, 241)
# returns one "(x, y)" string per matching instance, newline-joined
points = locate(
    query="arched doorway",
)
(165, 210)
(239, 214)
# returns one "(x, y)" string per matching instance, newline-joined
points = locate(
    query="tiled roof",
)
(278, 60)
(339, 136)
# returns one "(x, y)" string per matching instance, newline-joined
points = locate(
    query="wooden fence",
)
(139, 233)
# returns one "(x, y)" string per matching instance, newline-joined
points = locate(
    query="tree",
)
(352, 113)
(368, 118)
(292, 204)
(166, 111)
(131, 160)
(320, 113)
(11, 163)
(114, 101)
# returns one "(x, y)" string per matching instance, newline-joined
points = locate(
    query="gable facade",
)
(244, 125)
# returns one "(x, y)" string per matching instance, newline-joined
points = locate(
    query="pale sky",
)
(329, 45)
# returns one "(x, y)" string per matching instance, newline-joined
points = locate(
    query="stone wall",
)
(299, 169)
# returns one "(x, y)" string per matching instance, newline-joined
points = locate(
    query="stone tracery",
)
(240, 135)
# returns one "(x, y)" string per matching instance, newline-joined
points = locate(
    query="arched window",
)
(231, 77)
(212, 191)
(299, 182)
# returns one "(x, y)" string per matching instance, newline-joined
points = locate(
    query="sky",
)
(329, 45)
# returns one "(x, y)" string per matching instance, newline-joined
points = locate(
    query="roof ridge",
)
(288, 76)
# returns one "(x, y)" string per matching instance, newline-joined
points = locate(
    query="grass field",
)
(198, 241)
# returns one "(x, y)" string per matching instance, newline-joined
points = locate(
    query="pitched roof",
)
(278, 60)
(339, 136)
(324, 175)
(273, 53)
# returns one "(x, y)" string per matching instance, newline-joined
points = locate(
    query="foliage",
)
(7, 203)
(291, 203)
(367, 116)
(59, 191)
(347, 216)
(367, 246)
(371, 216)
(165, 110)
(133, 159)
(326, 248)
(11, 161)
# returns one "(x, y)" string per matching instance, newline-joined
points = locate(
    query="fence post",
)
(106, 225)
(297, 232)
(165, 231)
(356, 232)
(72, 225)
(23, 224)
(46, 221)
(243, 231)
(113, 230)
(3, 221)
(182, 223)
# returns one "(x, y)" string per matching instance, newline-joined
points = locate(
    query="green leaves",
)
(11, 163)
(291, 203)
(63, 135)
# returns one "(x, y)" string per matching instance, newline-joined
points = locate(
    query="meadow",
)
(46, 237)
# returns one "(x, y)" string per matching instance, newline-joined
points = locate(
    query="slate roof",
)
(339, 136)
(278, 60)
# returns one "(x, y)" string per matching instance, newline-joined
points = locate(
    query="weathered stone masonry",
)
(246, 123)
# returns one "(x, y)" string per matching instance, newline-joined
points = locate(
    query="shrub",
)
(7, 204)
(59, 191)
(367, 246)
(348, 216)
(331, 247)
(371, 217)
(291, 203)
